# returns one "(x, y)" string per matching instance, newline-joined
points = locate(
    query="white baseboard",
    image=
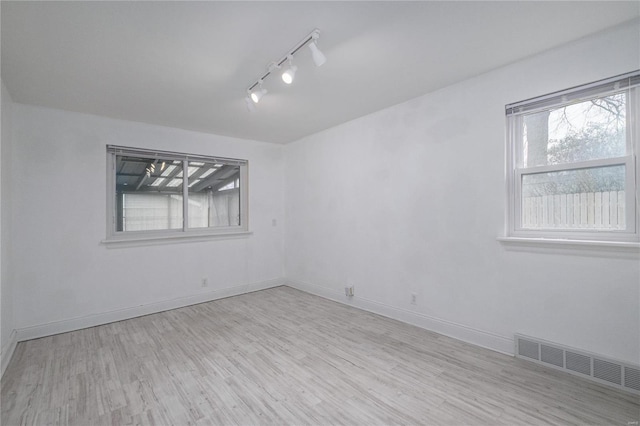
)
(465, 333)
(495, 342)
(6, 352)
(63, 326)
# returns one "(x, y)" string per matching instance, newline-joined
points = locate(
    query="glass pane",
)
(212, 203)
(574, 199)
(588, 130)
(145, 198)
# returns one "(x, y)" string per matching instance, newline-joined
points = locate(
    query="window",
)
(572, 165)
(150, 193)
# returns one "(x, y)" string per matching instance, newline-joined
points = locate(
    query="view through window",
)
(573, 162)
(150, 192)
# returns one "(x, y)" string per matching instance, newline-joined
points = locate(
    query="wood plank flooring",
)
(281, 356)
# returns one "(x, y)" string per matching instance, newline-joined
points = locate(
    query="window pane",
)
(210, 205)
(588, 130)
(145, 198)
(591, 198)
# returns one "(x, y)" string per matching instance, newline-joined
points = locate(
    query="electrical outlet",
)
(205, 282)
(348, 291)
(413, 298)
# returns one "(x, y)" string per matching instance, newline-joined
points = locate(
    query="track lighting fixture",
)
(256, 91)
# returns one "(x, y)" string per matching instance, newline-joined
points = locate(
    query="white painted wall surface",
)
(64, 274)
(7, 324)
(411, 199)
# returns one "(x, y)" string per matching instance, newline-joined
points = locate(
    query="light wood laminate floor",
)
(281, 356)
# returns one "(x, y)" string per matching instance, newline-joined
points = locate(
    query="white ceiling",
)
(188, 64)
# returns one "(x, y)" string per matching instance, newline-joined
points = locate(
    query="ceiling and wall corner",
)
(188, 64)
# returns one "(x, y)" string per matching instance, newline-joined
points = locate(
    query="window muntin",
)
(572, 165)
(146, 194)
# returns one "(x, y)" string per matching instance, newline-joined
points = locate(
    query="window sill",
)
(623, 246)
(186, 237)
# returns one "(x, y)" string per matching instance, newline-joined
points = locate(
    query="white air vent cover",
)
(600, 369)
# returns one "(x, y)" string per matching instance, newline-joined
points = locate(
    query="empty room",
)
(320, 212)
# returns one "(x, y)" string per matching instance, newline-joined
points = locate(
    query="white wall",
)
(65, 278)
(7, 325)
(411, 199)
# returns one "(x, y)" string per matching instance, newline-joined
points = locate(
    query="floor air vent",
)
(600, 369)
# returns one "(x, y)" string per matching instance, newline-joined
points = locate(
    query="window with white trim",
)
(156, 193)
(572, 167)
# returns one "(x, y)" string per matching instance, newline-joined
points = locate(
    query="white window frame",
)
(629, 83)
(114, 236)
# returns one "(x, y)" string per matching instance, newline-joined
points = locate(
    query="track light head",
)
(289, 74)
(257, 94)
(318, 57)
